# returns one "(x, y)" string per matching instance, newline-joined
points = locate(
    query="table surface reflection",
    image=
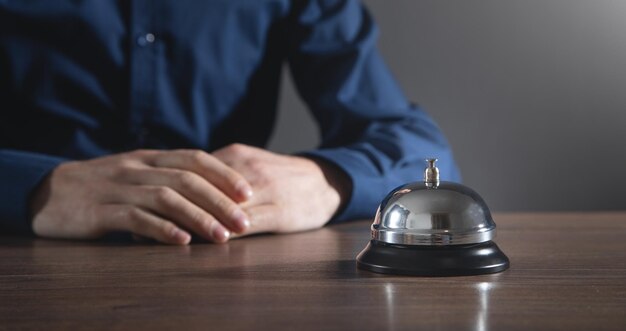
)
(568, 272)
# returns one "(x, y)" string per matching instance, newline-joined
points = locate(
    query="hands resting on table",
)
(168, 195)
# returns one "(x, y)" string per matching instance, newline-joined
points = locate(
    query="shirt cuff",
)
(20, 174)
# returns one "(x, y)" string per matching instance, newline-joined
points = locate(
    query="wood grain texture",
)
(568, 272)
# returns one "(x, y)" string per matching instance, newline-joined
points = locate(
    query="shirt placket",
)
(142, 70)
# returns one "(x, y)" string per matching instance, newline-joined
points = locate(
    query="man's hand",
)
(163, 195)
(290, 193)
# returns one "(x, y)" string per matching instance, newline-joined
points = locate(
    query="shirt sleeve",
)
(20, 173)
(369, 129)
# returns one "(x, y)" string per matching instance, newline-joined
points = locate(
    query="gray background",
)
(530, 94)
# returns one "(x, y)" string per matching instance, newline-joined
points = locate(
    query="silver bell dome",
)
(433, 213)
(433, 228)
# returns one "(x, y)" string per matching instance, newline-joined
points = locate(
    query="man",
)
(147, 117)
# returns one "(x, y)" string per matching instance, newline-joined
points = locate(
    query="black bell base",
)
(413, 260)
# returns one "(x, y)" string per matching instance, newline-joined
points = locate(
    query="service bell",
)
(433, 228)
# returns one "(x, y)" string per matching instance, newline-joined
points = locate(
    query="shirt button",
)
(146, 39)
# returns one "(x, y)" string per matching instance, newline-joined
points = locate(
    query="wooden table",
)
(568, 272)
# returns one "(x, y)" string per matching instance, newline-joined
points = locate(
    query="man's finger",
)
(263, 218)
(195, 189)
(207, 166)
(171, 205)
(138, 221)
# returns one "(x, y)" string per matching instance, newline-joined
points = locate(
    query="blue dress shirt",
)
(85, 78)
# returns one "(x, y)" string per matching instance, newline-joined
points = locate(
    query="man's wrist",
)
(337, 179)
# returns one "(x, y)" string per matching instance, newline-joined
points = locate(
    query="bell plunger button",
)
(431, 174)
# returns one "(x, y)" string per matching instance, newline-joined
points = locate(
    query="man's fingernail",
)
(246, 223)
(181, 236)
(245, 190)
(219, 233)
(241, 219)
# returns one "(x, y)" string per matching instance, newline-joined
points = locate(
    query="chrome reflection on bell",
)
(433, 228)
(433, 213)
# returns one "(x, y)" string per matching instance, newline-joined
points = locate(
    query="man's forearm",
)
(20, 173)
